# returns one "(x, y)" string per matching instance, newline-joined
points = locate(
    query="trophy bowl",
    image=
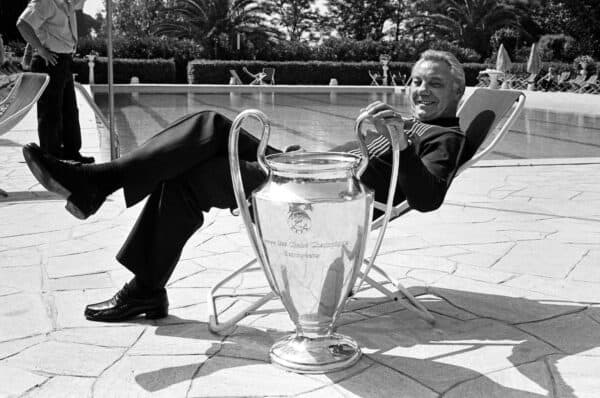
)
(312, 218)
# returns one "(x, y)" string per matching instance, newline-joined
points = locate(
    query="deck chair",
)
(235, 78)
(267, 76)
(591, 86)
(18, 93)
(574, 85)
(374, 78)
(485, 117)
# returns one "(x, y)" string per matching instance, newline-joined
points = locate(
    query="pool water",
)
(319, 121)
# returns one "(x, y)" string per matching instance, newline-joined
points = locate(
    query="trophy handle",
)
(364, 161)
(392, 186)
(238, 187)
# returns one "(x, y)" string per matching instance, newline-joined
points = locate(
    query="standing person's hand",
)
(48, 56)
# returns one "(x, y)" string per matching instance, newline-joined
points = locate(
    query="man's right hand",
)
(48, 56)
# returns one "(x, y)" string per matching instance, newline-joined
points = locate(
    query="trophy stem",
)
(320, 354)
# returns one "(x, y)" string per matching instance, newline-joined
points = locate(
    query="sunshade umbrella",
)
(534, 63)
(503, 63)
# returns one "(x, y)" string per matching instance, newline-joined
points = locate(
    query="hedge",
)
(306, 72)
(147, 70)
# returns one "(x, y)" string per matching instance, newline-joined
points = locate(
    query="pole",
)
(114, 139)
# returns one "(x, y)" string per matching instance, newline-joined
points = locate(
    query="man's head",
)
(437, 84)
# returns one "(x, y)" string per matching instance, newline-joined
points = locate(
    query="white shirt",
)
(54, 23)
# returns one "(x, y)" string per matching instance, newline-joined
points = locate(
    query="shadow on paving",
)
(488, 334)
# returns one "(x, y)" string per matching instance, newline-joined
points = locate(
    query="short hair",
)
(456, 69)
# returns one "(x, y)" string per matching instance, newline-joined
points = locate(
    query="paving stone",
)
(92, 281)
(249, 343)
(499, 301)
(83, 263)
(64, 387)
(186, 339)
(104, 336)
(148, 375)
(252, 379)
(529, 380)
(27, 279)
(68, 247)
(414, 261)
(15, 382)
(484, 255)
(587, 270)
(576, 376)
(441, 306)
(573, 291)
(67, 359)
(20, 257)
(541, 258)
(183, 297)
(573, 334)
(23, 315)
(11, 347)
(380, 381)
(482, 274)
(450, 352)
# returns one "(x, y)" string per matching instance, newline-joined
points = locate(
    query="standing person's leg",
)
(49, 106)
(71, 133)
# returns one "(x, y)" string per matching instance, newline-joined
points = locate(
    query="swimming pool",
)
(324, 118)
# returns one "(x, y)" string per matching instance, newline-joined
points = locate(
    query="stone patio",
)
(510, 266)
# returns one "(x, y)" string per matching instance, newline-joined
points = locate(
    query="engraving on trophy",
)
(298, 218)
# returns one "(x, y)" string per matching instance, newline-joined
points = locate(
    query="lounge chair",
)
(572, 84)
(18, 93)
(590, 86)
(235, 78)
(375, 77)
(480, 117)
(560, 84)
(267, 76)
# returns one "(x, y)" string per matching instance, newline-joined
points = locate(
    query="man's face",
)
(432, 91)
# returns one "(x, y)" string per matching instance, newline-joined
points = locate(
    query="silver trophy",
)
(312, 218)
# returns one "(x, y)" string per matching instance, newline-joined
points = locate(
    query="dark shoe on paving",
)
(127, 304)
(66, 179)
(79, 158)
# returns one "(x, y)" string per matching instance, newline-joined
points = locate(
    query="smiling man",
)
(184, 171)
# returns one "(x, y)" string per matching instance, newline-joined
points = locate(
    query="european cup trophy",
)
(312, 218)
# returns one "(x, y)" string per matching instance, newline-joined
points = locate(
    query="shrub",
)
(557, 48)
(308, 73)
(507, 36)
(180, 50)
(147, 70)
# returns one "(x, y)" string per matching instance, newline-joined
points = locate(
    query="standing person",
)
(184, 171)
(50, 27)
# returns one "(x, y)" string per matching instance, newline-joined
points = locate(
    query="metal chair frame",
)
(472, 107)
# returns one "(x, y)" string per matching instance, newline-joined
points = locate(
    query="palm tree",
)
(216, 23)
(469, 22)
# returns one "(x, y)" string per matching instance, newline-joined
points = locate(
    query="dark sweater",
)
(427, 165)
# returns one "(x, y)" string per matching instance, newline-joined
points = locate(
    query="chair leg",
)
(216, 326)
(411, 303)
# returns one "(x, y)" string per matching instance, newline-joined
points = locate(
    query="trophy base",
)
(325, 354)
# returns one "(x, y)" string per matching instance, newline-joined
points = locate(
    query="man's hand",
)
(48, 56)
(387, 121)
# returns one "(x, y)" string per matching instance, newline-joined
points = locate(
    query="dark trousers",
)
(58, 116)
(185, 170)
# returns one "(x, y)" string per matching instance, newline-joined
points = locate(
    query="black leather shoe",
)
(66, 179)
(79, 158)
(126, 305)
